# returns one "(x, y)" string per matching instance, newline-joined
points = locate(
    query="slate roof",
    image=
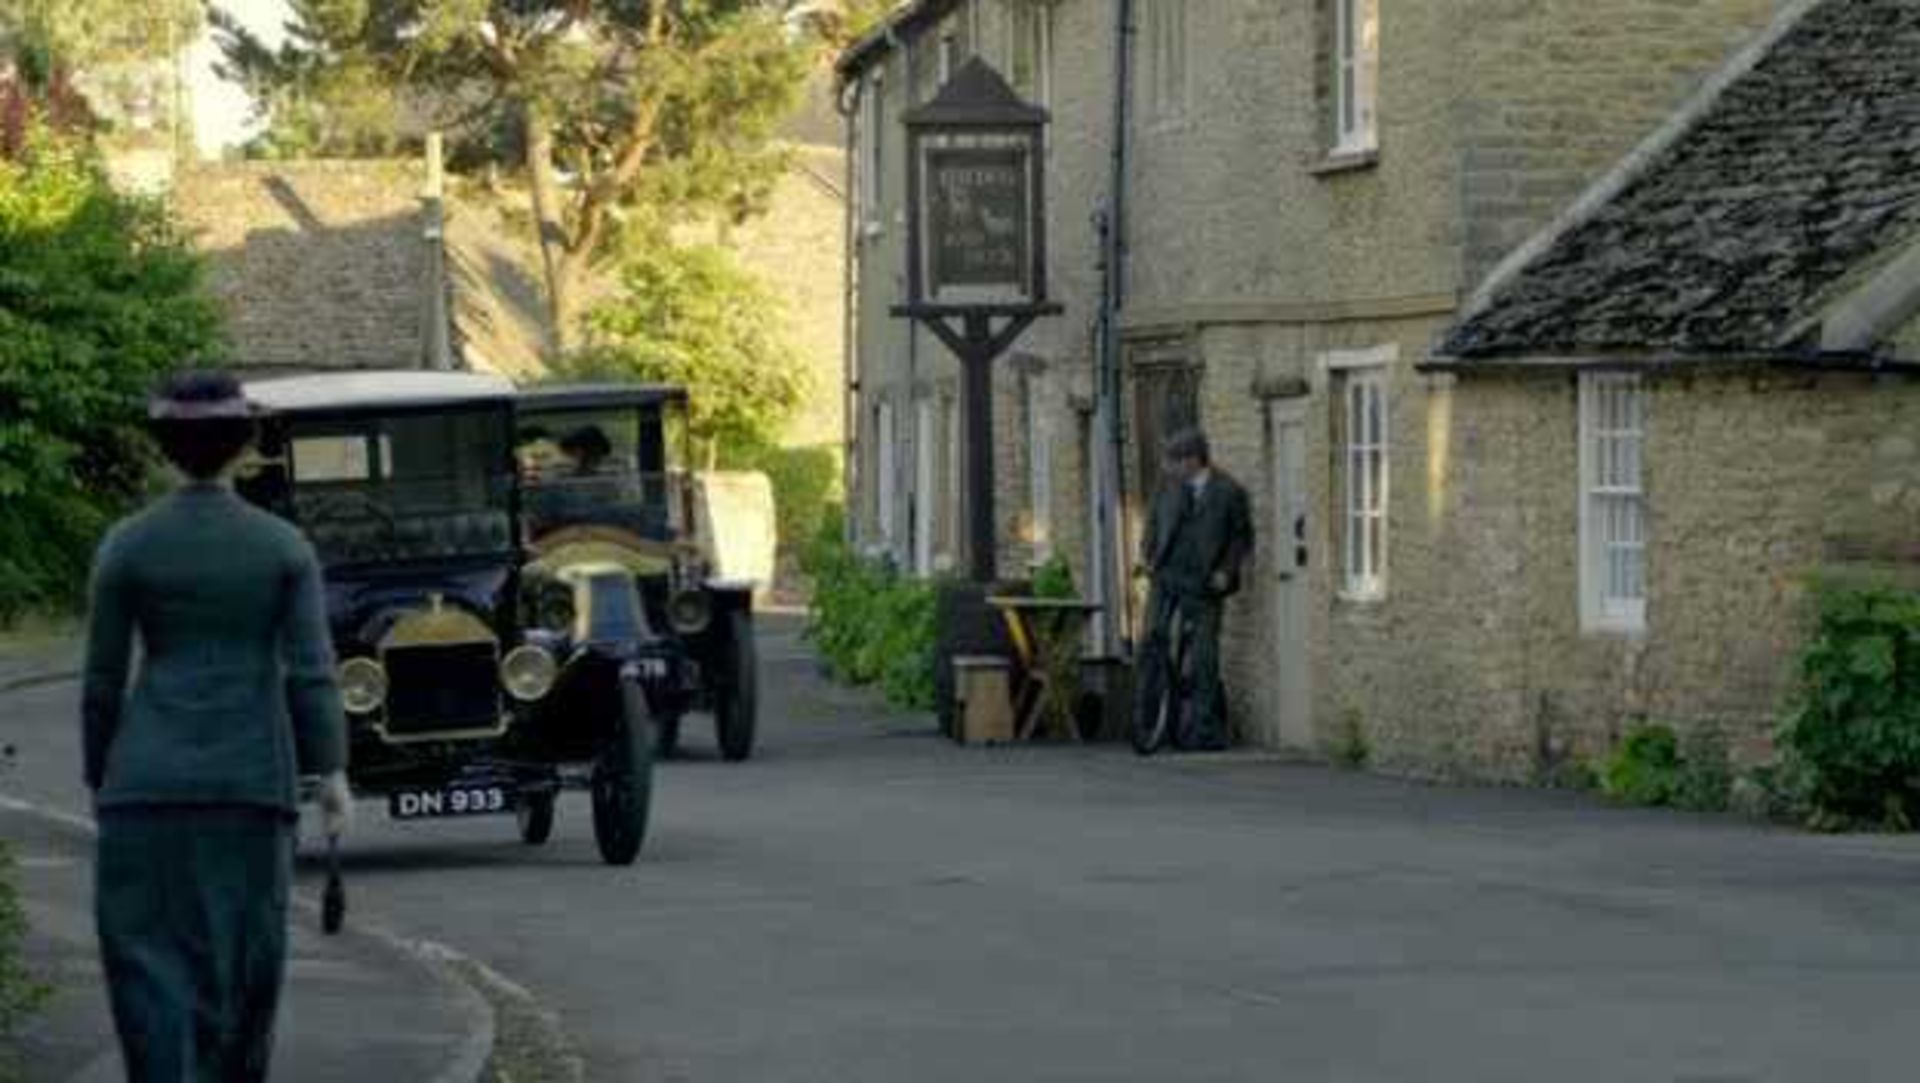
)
(324, 265)
(1803, 171)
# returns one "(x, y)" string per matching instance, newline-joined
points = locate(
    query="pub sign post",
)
(976, 251)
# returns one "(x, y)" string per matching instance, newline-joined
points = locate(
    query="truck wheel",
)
(623, 780)
(736, 694)
(536, 818)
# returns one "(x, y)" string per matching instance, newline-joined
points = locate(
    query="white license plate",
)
(451, 801)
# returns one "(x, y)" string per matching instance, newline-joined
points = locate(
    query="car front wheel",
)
(623, 780)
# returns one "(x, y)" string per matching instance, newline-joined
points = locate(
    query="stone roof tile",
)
(1804, 169)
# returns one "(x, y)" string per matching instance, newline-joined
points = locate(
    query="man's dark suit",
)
(1196, 542)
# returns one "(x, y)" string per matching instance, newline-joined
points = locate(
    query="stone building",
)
(345, 265)
(1721, 342)
(1352, 232)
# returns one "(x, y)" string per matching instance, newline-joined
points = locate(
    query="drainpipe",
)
(848, 106)
(907, 413)
(1109, 527)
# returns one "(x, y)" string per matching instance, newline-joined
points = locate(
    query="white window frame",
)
(925, 484)
(1613, 503)
(955, 502)
(1166, 70)
(1021, 18)
(1039, 470)
(946, 57)
(1365, 526)
(1356, 76)
(886, 473)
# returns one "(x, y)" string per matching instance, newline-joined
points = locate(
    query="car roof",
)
(597, 396)
(346, 391)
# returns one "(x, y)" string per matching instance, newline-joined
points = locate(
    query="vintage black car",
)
(602, 493)
(491, 656)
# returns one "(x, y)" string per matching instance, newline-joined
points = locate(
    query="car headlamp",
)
(363, 685)
(690, 612)
(528, 672)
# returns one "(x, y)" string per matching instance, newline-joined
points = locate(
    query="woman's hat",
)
(200, 396)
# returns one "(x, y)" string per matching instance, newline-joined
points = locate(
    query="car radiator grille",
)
(442, 689)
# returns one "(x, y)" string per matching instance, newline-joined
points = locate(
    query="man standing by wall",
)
(1199, 535)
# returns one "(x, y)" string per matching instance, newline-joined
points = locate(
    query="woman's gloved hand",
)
(336, 804)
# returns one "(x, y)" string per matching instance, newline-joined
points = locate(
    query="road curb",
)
(38, 680)
(470, 1061)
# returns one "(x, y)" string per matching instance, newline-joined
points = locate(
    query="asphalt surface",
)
(865, 902)
(355, 1010)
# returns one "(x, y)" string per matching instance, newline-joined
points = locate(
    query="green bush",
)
(1706, 773)
(1352, 750)
(98, 296)
(1653, 766)
(1054, 579)
(1855, 736)
(1780, 791)
(871, 624)
(691, 315)
(1644, 768)
(20, 994)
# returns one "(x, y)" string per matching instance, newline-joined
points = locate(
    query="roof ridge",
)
(1636, 162)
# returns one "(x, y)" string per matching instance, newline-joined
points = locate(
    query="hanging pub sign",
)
(975, 232)
(979, 228)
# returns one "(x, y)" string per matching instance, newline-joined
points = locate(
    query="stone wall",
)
(1553, 92)
(1475, 664)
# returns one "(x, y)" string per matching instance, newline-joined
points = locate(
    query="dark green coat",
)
(1188, 539)
(235, 694)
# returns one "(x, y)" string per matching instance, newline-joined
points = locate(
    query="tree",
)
(322, 95)
(73, 62)
(690, 315)
(624, 114)
(80, 34)
(98, 296)
(847, 21)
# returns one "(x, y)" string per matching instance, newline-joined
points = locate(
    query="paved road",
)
(863, 902)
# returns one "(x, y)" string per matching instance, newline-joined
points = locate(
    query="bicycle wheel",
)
(1180, 687)
(1153, 718)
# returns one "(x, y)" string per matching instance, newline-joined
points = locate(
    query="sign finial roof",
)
(976, 97)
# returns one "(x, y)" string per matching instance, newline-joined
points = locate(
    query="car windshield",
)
(413, 487)
(609, 468)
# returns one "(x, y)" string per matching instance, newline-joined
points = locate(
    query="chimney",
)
(437, 339)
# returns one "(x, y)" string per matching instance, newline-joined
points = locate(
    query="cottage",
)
(1372, 248)
(348, 264)
(1706, 378)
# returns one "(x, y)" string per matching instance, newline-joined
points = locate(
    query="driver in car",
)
(588, 447)
(1199, 534)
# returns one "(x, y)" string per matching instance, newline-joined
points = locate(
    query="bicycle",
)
(1165, 706)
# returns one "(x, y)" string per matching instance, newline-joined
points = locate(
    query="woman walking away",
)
(194, 769)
